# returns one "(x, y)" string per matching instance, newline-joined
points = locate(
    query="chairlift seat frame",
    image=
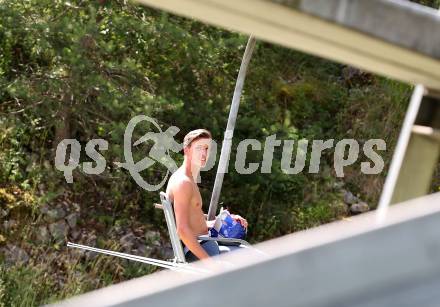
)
(179, 255)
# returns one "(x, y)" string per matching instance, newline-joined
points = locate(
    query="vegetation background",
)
(83, 69)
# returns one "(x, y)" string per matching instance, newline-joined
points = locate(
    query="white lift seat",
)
(225, 244)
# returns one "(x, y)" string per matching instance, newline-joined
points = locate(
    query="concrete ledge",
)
(399, 22)
(393, 38)
(346, 263)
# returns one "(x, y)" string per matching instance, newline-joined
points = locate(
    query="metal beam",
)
(397, 39)
(416, 153)
(422, 153)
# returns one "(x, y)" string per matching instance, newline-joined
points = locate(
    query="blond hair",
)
(195, 135)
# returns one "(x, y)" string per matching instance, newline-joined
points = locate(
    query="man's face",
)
(199, 151)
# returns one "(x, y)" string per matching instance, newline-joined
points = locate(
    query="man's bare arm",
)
(182, 200)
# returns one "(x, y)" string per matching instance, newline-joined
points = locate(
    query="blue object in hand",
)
(231, 228)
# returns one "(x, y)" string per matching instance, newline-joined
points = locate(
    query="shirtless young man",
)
(183, 192)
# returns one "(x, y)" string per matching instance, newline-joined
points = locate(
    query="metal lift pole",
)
(227, 140)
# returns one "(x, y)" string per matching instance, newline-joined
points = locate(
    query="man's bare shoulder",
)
(179, 179)
(179, 183)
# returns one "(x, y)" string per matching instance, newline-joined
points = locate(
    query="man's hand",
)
(240, 219)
